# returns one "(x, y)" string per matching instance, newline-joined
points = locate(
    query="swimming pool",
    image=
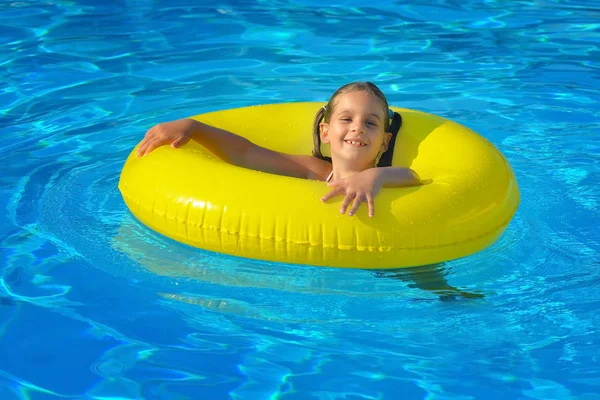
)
(94, 305)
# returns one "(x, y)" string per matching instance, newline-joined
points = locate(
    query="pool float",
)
(190, 195)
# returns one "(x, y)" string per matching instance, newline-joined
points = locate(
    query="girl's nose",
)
(358, 127)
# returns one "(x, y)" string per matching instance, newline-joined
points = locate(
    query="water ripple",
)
(131, 314)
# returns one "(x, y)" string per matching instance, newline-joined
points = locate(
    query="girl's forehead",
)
(358, 99)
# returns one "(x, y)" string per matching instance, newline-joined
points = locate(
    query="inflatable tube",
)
(191, 196)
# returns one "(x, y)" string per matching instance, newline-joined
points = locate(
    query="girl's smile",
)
(355, 143)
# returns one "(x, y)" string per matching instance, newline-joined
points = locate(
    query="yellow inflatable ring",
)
(190, 195)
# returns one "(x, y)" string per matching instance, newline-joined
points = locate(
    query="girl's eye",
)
(345, 119)
(371, 123)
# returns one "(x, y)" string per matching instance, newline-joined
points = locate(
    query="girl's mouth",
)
(355, 143)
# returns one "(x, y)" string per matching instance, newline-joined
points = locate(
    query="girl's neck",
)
(342, 171)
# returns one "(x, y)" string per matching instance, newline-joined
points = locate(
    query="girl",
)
(355, 123)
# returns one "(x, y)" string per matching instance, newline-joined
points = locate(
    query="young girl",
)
(356, 123)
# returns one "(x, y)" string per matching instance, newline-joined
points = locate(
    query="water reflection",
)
(430, 278)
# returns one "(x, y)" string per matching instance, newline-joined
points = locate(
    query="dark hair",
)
(391, 125)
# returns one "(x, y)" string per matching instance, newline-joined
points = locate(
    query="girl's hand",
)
(176, 133)
(358, 188)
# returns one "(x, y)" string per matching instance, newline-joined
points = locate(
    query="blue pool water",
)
(94, 305)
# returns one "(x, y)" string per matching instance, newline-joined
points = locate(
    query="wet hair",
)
(391, 124)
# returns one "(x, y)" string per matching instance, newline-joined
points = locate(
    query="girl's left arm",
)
(397, 177)
(364, 186)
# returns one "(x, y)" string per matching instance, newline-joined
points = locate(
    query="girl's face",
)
(356, 130)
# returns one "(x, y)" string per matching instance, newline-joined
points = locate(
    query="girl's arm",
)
(397, 177)
(231, 148)
(364, 186)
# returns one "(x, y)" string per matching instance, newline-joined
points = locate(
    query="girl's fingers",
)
(149, 138)
(151, 142)
(178, 142)
(370, 205)
(142, 146)
(330, 194)
(151, 145)
(357, 200)
(347, 199)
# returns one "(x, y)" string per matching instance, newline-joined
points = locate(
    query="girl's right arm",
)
(231, 148)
